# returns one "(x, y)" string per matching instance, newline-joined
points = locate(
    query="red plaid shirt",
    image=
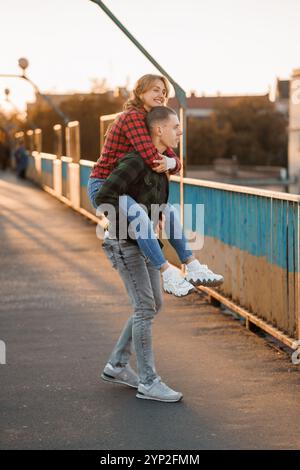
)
(128, 133)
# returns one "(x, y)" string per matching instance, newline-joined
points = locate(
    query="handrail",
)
(238, 189)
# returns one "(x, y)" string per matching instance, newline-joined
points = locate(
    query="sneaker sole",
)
(166, 400)
(206, 283)
(108, 378)
(182, 295)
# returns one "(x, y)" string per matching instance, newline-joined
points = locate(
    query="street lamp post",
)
(8, 100)
(23, 64)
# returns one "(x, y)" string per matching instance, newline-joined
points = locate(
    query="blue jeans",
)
(150, 246)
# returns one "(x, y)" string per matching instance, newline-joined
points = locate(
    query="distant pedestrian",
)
(4, 156)
(21, 157)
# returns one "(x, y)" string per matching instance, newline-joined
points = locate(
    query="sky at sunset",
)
(230, 46)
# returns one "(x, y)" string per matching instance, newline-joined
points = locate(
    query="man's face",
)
(169, 131)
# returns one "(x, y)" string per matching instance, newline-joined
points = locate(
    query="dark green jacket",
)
(133, 177)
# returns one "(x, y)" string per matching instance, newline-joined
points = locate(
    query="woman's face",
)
(155, 96)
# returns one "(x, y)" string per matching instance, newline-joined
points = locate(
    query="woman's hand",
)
(162, 164)
(165, 164)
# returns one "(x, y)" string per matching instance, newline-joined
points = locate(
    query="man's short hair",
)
(158, 114)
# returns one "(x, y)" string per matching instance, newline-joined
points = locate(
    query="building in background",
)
(203, 106)
(294, 132)
(282, 95)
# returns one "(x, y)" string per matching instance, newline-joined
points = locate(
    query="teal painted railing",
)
(251, 236)
(262, 225)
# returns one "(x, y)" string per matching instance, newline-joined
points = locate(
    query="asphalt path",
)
(62, 308)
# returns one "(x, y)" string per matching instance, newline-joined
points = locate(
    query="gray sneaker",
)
(158, 391)
(120, 375)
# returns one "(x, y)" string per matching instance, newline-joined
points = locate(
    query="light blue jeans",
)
(142, 282)
(149, 246)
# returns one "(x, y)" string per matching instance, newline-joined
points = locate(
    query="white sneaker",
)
(175, 284)
(200, 275)
(158, 391)
(120, 375)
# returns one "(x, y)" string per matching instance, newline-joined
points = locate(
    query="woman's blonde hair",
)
(142, 85)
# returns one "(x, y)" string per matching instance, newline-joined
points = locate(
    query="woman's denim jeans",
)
(150, 246)
(142, 282)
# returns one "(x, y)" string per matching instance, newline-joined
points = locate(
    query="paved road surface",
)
(62, 307)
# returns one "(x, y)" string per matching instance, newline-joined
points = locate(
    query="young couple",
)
(131, 172)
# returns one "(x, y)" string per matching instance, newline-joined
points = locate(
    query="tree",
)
(83, 108)
(205, 140)
(249, 128)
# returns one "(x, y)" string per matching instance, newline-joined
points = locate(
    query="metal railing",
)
(251, 236)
